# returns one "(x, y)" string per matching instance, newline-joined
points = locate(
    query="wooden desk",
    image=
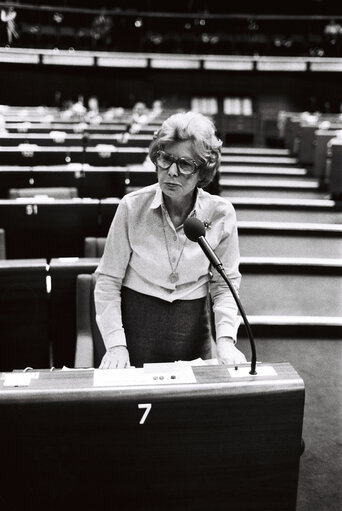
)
(90, 181)
(100, 155)
(48, 227)
(217, 442)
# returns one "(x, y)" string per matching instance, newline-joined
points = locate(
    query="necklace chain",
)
(174, 276)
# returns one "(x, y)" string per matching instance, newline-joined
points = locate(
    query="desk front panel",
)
(214, 444)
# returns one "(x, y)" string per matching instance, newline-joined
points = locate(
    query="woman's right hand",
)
(116, 357)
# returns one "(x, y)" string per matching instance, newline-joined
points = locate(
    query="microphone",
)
(195, 231)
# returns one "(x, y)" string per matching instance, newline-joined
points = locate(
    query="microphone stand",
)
(194, 230)
(223, 274)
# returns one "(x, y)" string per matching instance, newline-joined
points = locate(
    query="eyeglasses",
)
(185, 166)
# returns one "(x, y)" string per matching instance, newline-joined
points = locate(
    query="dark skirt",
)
(160, 331)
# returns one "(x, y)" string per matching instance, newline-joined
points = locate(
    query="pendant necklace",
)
(174, 276)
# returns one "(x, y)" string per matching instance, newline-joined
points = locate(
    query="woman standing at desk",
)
(152, 282)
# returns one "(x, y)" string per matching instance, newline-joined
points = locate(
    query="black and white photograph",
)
(170, 255)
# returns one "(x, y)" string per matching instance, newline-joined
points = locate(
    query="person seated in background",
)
(92, 114)
(101, 30)
(78, 108)
(8, 16)
(74, 110)
(113, 113)
(156, 110)
(139, 118)
(333, 36)
(151, 292)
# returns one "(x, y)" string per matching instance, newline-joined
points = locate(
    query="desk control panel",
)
(157, 375)
(148, 375)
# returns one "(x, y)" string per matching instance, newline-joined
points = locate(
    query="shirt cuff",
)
(226, 330)
(227, 337)
(117, 338)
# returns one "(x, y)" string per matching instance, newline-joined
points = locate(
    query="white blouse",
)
(146, 253)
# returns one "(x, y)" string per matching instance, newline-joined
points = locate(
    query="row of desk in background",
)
(315, 145)
(28, 127)
(316, 141)
(99, 155)
(57, 138)
(89, 181)
(57, 227)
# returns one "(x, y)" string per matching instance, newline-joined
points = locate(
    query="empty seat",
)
(89, 343)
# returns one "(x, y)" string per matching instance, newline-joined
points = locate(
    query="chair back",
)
(90, 347)
(94, 247)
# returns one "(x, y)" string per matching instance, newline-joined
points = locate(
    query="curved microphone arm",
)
(221, 271)
(194, 230)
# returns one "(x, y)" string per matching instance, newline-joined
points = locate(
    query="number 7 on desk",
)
(147, 407)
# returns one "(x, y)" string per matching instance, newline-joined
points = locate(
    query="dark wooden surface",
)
(48, 227)
(220, 443)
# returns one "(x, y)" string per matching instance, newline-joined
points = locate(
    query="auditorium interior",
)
(83, 88)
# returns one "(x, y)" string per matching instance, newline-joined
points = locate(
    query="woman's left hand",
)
(227, 353)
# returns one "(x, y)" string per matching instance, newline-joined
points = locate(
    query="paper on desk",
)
(243, 371)
(19, 379)
(197, 362)
(65, 368)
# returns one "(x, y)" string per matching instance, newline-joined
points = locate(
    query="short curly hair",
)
(200, 130)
